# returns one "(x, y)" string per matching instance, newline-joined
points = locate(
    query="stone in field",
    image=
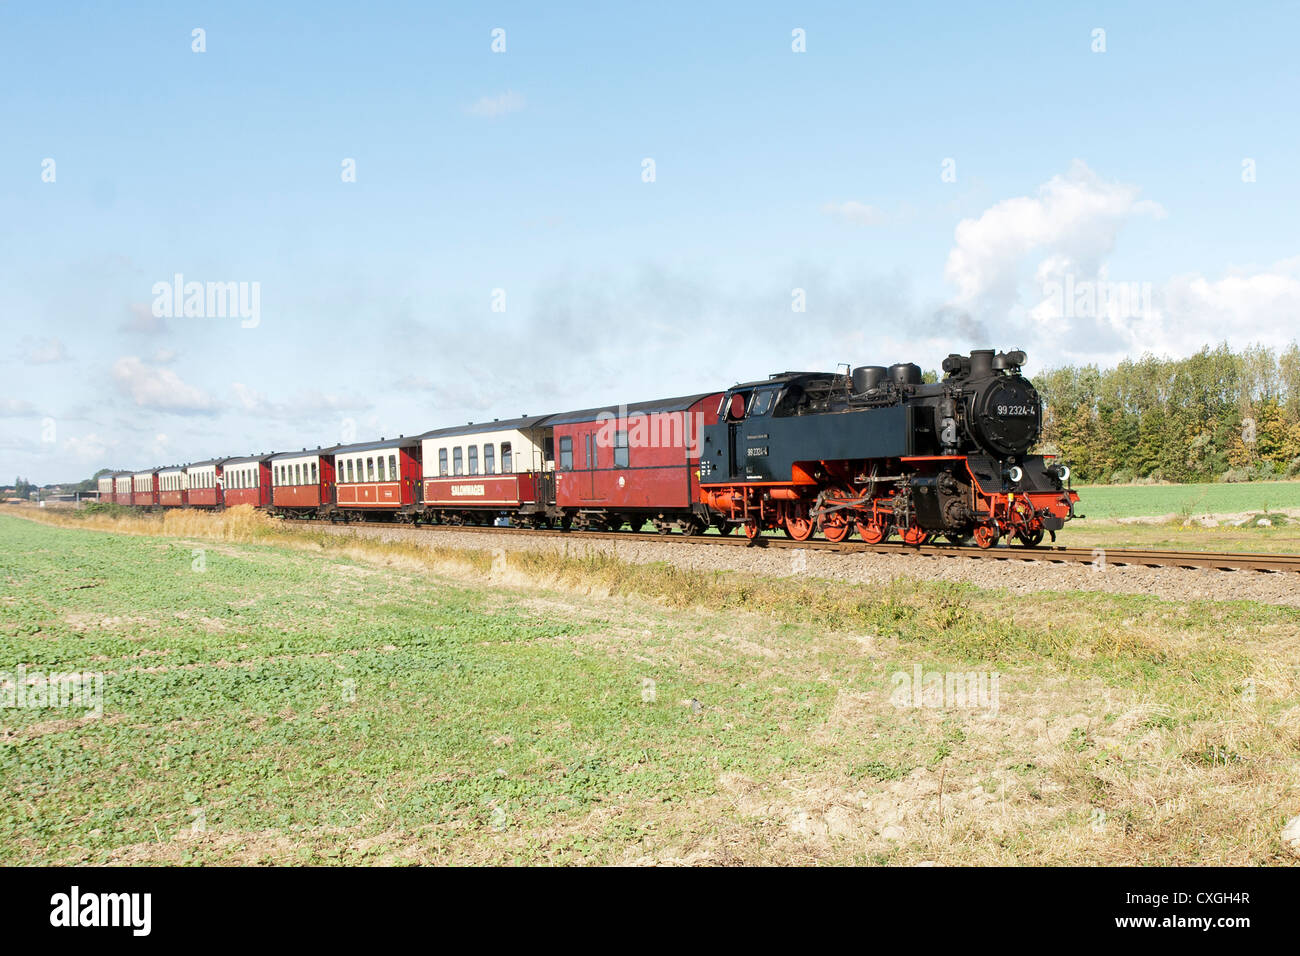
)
(1291, 835)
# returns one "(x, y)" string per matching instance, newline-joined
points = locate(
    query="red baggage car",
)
(633, 463)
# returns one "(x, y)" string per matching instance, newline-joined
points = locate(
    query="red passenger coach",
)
(204, 481)
(144, 489)
(473, 473)
(630, 463)
(247, 481)
(172, 487)
(302, 483)
(122, 483)
(104, 486)
(378, 478)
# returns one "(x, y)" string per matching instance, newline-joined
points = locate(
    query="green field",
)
(328, 700)
(1132, 501)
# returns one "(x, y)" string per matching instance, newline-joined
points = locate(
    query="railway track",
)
(1097, 557)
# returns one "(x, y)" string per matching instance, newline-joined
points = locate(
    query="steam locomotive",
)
(880, 451)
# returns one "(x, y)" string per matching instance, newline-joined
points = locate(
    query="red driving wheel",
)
(872, 532)
(914, 535)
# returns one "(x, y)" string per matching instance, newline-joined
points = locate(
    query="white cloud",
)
(88, 448)
(854, 213)
(143, 320)
(44, 351)
(499, 105)
(16, 408)
(1071, 225)
(160, 389)
(308, 404)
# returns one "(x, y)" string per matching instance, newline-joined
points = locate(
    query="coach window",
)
(489, 459)
(351, 477)
(382, 470)
(442, 462)
(473, 459)
(313, 473)
(370, 469)
(393, 474)
(566, 453)
(620, 449)
(457, 465)
(507, 467)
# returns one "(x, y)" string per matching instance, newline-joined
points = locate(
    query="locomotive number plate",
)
(1014, 410)
(758, 451)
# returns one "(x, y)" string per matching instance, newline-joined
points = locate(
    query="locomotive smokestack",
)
(981, 363)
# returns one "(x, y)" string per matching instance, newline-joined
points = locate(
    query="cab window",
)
(566, 453)
(762, 401)
(736, 406)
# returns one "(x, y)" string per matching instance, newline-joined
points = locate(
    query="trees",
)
(1186, 419)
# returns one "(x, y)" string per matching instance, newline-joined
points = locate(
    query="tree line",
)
(1218, 415)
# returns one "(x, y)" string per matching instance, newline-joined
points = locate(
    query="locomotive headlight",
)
(1063, 472)
(1015, 474)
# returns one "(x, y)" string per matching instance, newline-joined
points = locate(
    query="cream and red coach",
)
(475, 472)
(144, 489)
(122, 483)
(247, 481)
(204, 481)
(173, 486)
(302, 483)
(377, 480)
(633, 463)
(104, 488)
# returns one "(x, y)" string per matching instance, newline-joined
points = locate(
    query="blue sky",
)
(522, 171)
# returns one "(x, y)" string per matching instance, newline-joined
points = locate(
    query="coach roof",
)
(401, 441)
(478, 428)
(307, 451)
(661, 406)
